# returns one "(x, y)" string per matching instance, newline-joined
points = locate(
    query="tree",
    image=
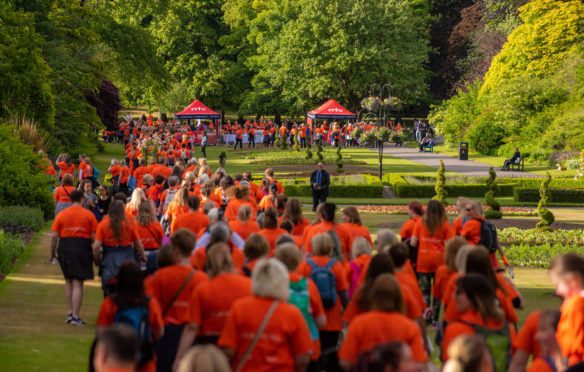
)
(547, 217)
(441, 192)
(492, 189)
(107, 104)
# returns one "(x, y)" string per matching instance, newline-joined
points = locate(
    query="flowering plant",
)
(371, 103)
(392, 103)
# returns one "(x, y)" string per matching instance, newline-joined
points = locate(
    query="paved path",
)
(466, 167)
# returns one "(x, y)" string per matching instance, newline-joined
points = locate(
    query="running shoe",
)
(77, 322)
(69, 318)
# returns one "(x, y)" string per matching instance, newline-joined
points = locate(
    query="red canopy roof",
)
(197, 110)
(331, 109)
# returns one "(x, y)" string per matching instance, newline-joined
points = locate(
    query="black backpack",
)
(489, 236)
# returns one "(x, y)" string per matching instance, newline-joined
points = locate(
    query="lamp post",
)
(377, 104)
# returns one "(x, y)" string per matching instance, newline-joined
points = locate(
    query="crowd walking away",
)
(206, 271)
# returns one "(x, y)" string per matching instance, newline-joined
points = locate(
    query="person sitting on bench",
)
(514, 160)
(426, 141)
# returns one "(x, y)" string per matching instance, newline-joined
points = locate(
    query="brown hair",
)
(117, 216)
(289, 255)
(271, 218)
(481, 295)
(242, 192)
(434, 217)
(451, 248)
(386, 294)
(293, 211)
(416, 207)
(146, 213)
(68, 180)
(184, 240)
(569, 263)
(218, 259)
(256, 246)
(353, 215)
(478, 261)
(380, 264)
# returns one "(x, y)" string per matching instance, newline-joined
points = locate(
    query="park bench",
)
(518, 164)
(428, 148)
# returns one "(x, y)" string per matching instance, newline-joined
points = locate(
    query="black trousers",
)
(240, 143)
(318, 196)
(251, 141)
(303, 142)
(329, 360)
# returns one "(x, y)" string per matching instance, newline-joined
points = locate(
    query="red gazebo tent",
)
(332, 110)
(198, 110)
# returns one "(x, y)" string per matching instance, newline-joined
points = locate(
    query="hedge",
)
(406, 190)
(11, 248)
(339, 191)
(20, 216)
(559, 195)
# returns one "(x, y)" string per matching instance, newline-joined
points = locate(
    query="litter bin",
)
(462, 150)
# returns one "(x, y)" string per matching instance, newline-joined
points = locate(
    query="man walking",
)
(74, 230)
(320, 181)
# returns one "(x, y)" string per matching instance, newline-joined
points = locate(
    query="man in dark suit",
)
(320, 181)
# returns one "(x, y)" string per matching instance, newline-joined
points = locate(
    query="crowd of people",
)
(206, 271)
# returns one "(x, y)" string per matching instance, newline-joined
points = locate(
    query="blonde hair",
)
(244, 213)
(219, 260)
(360, 247)
(137, 198)
(204, 358)
(461, 256)
(461, 203)
(146, 213)
(451, 249)
(465, 353)
(322, 245)
(270, 279)
(477, 207)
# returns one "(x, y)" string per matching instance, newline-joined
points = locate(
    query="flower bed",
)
(533, 237)
(403, 209)
(538, 256)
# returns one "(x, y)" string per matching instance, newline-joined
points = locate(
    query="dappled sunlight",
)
(44, 280)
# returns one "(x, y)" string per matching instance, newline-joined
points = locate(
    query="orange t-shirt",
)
(174, 210)
(322, 228)
(211, 301)
(285, 335)
(375, 327)
(164, 284)
(233, 209)
(66, 169)
(539, 365)
(272, 235)
(441, 280)
(298, 229)
(431, 246)
(472, 231)
(407, 229)
(278, 184)
(194, 221)
(125, 172)
(107, 316)
(406, 280)
(106, 235)
(75, 222)
(357, 230)
(61, 196)
(266, 203)
(150, 235)
(244, 229)
(333, 314)
(457, 226)
(570, 333)
(526, 340)
(115, 170)
(139, 174)
(456, 329)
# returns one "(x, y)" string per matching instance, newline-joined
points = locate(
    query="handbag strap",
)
(257, 336)
(182, 286)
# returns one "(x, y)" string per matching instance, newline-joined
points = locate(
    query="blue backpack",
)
(138, 318)
(325, 281)
(95, 172)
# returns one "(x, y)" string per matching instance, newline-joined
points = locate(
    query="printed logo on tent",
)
(198, 109)
(335, 110)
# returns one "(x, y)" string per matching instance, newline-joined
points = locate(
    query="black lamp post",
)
(382, 111)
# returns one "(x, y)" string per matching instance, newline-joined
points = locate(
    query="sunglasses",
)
(469, 209)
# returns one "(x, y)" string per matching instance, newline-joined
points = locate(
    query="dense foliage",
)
(11, 247)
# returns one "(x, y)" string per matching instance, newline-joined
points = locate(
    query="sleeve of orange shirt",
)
(570, 333)
(439, 282)
(413, 308)
(540, 365)
(353, 308)
(507, 306)
(340, 277)
(525, 340)
(471, 231)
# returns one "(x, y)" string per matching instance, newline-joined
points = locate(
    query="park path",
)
(452, 164)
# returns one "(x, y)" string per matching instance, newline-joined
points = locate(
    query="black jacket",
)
(325, 181)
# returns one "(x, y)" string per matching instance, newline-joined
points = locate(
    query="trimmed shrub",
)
(492, 189)
(406, 190)
(11, 248)
(339, 191)
(563, 195)
(441, 192)
(19, 216)
(547, 217)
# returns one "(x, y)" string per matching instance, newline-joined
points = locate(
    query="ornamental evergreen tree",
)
(339, 160)
(492, 189)
(441, 193)
(319, 150)
(547, 217)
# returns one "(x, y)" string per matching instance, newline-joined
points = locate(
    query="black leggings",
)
(329, 360)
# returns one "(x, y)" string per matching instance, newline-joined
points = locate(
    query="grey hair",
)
(360, 246)
(285, 238)
(173, 181)
(213, 214)
(219, 232)
(270, 279)
(385, 237)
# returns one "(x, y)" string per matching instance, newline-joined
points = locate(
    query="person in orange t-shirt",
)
(415, 211)
(476, 304)
(238, 139)
(567, 274)
(150, 233)
(383, 323)
(61, 195)
(140, 172)
(164, 286)
(65, 166)
(130, 293)
(353, 224)
(326, 215)
(444, 273)
(329, 335)
(460, 219)
(361, 254)
(293, 213)
(119, 239)
(271, 231)
(211, 300)
(244, 226)
(429, 236)
(269, 174)
(256, 247)
(526, 344)
(551, 359)
(314, 314)
(270, 200)
(399, 254)
(72, 233)
(242, 197)
(194, 220)
(285, 338)
(115, 170)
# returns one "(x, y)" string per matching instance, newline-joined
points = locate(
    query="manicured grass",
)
(103, 159)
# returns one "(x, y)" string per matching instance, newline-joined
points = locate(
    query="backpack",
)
(95, 172)
(337, 251)
(353, 284)
(489, 236)
(498, 342)
(325, 281)
(137, 317)
(300, 298)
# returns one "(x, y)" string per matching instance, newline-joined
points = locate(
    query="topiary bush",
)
(495, 211)
(441, 193)
(319, 150)
(21, 177)
(339, 160)
(547, 217)
(296, 145)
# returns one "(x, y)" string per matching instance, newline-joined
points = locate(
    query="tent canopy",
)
(331, 109)
(197, 110)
